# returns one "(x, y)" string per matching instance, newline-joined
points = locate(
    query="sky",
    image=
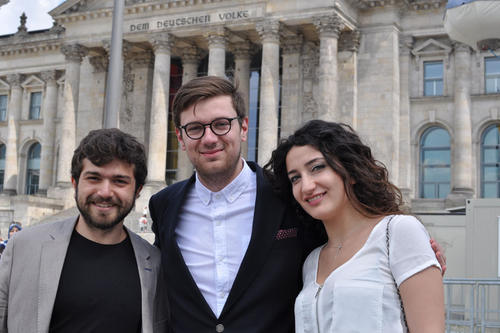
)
(36, 11)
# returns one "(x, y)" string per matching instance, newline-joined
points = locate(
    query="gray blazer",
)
(30, 269)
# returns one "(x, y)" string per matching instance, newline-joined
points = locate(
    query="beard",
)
(101, 221)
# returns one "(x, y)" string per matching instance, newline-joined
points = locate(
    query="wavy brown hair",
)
(365, 179)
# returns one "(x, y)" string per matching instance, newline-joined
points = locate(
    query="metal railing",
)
(472, 305)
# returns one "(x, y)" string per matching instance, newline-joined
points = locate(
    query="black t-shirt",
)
(99, 289)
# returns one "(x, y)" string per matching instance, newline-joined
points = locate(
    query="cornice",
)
(33, 47)
(408, 4)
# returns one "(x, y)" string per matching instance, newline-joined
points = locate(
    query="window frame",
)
(496, 76)
(483, 165)
(31, 187)
(31, 106)
(432, 79)
(422, 167)
(3, 111)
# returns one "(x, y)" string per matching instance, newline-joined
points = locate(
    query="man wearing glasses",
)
(232, 252)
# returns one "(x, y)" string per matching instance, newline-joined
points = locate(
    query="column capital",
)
(406, 43)
(99, 63)
(328, 25)
(461, 47)
(190, 55)
(143, 59)
(292, 45)
(15, 80)
(162, 43)
(268, 31)
(49, 77)
(216, 37)
(241, 50)
(74, 52)
(349, 41)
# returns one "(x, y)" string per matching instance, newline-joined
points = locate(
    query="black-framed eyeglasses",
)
(219, 126)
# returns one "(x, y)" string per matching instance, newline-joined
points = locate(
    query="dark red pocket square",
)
(286, 233)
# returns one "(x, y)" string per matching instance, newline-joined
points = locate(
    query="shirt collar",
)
(231, 192)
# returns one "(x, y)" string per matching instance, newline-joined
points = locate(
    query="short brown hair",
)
(205, 87)
(105, 145)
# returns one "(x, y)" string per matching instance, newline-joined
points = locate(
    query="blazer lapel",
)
(182, 273)
(268, 214)
(147, 279)
(51, 263)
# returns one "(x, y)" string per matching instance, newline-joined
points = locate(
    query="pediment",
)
(32, 81)
(431, 47)
(4, 85)
(79, 6)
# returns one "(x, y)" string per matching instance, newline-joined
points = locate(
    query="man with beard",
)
(89, 273)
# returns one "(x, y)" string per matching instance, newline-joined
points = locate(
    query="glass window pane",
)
(433, 69)
(436, 137)
(492, 65)
(491, 173)
(429, 191)
(428, 88)
(439, 88)
(492, 136)
(436, 174)
(436, 157)
(444, 190)
(491, 156)
(490, 190)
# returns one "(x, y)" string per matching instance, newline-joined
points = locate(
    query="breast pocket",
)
(357, 307)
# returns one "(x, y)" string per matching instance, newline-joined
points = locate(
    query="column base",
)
(9, 192)
(458, 197)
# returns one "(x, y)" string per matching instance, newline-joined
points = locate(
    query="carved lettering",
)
(233, 15)
(139, 27)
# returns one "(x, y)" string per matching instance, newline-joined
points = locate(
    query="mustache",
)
(97, 199)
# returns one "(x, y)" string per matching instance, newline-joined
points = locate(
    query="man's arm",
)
(5, 272)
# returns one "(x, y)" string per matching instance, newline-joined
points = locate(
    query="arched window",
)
(2, 165)
(490, 162)
(435, 163)
(33, 169)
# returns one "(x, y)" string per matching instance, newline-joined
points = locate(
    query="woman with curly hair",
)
(377, 265)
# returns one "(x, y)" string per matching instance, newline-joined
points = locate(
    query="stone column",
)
(157, 154)
(328, 28)
(74, 54)
(242, 59)
(216, 51)
(269, 89)
(348, 74)
(405, 160)
(291, 102)
(462, 164)
(190, 60)
(48, 135)
(11, 161)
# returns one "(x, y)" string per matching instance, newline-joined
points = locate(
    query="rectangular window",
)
(492, 75)
(433, 78)
(35, 105)
(3, 107)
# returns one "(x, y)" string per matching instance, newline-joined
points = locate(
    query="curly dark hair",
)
(365, 179)
(104, 145)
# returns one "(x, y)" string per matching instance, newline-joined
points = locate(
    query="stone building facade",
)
(428, 106)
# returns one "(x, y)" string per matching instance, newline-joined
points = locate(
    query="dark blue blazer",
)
(270, 276)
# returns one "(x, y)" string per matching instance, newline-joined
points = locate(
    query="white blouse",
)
(360, 295)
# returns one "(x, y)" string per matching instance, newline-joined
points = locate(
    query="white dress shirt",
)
(213, 234)
(360, 295)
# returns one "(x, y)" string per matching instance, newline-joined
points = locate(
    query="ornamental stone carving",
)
(216, 37)
(328, 25)
(268, 31)
(74, 52)
(162, 43)
(190, 55)
(292, 45)
(49, 76)
(349, 41)
(99, 63)
(15, 79)
(406, 43)
(241, 50)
